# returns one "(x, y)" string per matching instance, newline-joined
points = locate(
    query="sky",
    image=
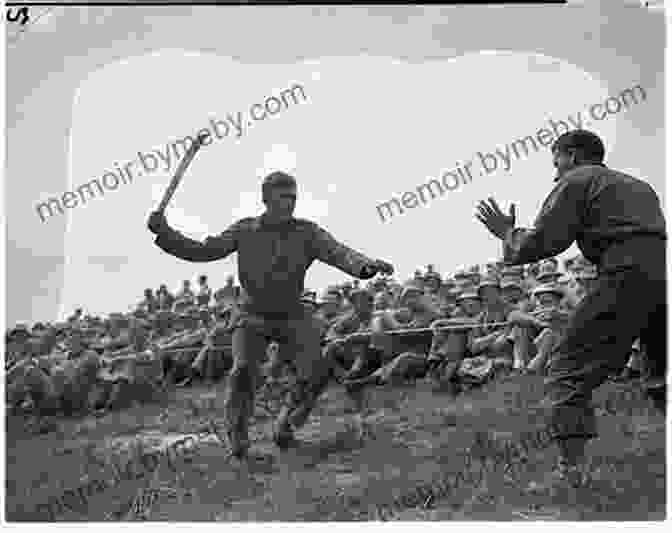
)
(370, 128)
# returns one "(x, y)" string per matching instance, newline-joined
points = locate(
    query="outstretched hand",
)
(494, 219)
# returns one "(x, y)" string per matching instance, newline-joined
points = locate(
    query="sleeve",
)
(211, 249)
(330, 251)
(555, 229)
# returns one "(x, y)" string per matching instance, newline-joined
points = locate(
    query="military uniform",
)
(345, 355)
(618, 224)
(401, 356)
(404, 358)
(542, 341)
(272, 262)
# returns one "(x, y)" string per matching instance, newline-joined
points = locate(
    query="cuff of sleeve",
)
(165, 238)
(508, 247)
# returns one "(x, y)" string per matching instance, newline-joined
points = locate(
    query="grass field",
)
(416, 437)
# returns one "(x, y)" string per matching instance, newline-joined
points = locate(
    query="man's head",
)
(470, 303)
(202, 279)
(279, 195)
(574, 148)
(432, 281)
(149, 293)
(412, 295)
(20, 334)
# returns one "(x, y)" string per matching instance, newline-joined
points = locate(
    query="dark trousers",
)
(626, 304)
(299, 340)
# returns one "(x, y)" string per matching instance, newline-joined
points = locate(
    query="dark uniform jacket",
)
(272, 259)
(616, 220)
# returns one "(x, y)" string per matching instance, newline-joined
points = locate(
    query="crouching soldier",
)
(397, 358)
(494, 342)
(178, 352)
(554, 321)
(214, 359)
(56, 383)
(347, 341)
(450, 346)
(274, 252)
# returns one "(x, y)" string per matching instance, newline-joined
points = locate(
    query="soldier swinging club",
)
(274, 253)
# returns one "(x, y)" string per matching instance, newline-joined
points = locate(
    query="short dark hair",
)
(588, 145)
(276, 179)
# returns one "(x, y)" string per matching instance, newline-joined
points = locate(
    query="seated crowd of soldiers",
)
(482, 322)
(472, 326)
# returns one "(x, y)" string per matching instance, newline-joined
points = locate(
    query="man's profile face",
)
(563, 161)
(281, 201)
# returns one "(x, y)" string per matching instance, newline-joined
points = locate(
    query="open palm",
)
(493, 218)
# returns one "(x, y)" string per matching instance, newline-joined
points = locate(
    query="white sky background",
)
(372, 127)
(369, 129)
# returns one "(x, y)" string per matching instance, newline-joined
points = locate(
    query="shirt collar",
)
(262, 221)
(596, 164)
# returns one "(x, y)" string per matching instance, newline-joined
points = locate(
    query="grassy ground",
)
(416, 436)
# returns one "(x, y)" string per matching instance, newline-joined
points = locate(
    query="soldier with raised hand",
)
(274, 252)
(618, 223)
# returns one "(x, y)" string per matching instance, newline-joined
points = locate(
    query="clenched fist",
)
(384, 267)
(377, 266)
(157, 222)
